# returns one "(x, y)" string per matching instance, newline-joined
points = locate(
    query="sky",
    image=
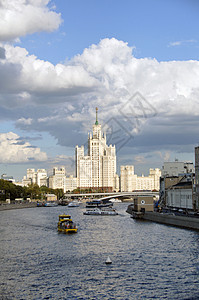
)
(137, 61)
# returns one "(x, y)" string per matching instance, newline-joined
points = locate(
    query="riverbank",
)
(17, 206)
(168, 219)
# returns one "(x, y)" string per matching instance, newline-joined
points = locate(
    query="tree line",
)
(9, 190)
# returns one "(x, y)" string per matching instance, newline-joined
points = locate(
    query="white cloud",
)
(24, 121)
(105, 75)
(107, 71)
(38, 77)
(15, 150)
(183, 42)
(22, 17)
(177, 43)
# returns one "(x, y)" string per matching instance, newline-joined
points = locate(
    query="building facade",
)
(35, 177)
(180, 195)
(177, 167)
(57, 180)
(196, 196)
(131, 182)
(97, 169)
(70, 183)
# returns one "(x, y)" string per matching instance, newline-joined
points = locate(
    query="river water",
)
(149, 260)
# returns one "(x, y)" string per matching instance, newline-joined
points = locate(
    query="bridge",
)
(106, 196)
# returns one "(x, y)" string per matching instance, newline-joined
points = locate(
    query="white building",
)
(130, 182)
(180, 195)
(58, 179)
(177, 167)
(70, 183)
(97, 169)
(35, 177)
(127, 179)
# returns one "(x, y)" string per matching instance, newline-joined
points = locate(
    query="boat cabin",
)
(64, 217)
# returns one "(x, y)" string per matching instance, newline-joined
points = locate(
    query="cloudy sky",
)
(137, 61)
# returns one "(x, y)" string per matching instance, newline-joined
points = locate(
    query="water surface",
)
(150, 261)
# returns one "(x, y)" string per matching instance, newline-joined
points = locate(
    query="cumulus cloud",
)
(15, 150)
(32, 76)
(22, 17)
(24, 121)
(130, 92)
(107, 71)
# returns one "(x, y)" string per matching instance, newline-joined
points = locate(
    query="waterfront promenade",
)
(17, 206)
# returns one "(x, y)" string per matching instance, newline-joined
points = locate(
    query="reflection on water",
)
(150, 261)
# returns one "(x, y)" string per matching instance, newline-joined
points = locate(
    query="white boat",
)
(74, 203)
(115, 200)
(51, 204)
(108, 261)
(102, 212)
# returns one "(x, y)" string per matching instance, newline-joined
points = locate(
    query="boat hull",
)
(100, 213)
(67, 230)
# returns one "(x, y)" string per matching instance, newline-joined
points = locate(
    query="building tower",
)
(97, 169)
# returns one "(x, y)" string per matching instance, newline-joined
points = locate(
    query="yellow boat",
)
(66, 224)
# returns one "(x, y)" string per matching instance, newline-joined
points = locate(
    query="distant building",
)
(6, 177)
(51, 197)
(180, 194)
(97, 169)
(196, 178)
(175, 168)
(35, 177)
(57, 180)
(130, 182)
(70, 183)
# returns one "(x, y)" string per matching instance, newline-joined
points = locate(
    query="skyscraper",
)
(97, 169)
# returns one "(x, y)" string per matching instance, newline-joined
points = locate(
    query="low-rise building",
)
(180, 195)
(51, 197)
(177, 167)
(130, 182)
(196, 192)
(143, 203)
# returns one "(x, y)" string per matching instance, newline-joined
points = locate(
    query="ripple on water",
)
(150, 261)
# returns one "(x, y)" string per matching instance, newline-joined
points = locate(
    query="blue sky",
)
(63, 58)
(149, 25)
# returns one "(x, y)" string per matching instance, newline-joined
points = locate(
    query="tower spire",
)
(96, 122)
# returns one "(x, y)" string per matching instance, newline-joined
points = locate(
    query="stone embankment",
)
(189, 222)
(17, 206)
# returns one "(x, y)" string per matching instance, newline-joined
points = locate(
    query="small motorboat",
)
(51, 204)
(115, 200)
(98, 203)
(74, 203)
(101, 212)
(66, 224)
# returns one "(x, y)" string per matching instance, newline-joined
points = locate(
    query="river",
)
(149, 260)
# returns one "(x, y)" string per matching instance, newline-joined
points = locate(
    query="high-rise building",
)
(97, 169)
